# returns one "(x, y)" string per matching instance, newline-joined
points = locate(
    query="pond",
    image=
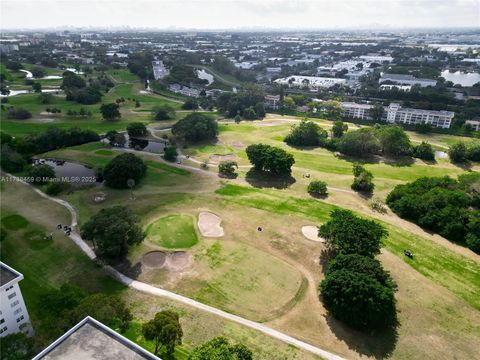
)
(202, 74)
(75, 174)
(154, 147)
(461, 78)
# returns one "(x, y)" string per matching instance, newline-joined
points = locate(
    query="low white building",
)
(474, 124)
(402, 79)
(272, 101)
(405, 88)
(13, 312)
(312, 82)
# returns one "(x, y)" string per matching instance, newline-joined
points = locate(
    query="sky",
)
(239, 14)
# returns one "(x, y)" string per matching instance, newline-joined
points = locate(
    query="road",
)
(149, 289)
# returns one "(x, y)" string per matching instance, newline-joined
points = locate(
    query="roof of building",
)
(400, 77)
(7, 274)
(92, 340)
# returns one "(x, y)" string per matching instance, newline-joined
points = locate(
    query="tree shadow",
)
(399, 161)
(466, 166)
(377, 344)
(132, 271)
(325, 256)
(261, 179)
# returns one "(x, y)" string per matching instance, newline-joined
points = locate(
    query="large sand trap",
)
(311, 233)
(209, 225)
(154, 259)
(220, 158)
(175, 261)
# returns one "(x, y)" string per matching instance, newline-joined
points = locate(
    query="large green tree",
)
(165, 330)
(110, 111)
(307, 133)
(112, 231)
(347, 233)
(196, 127)
(394, 141)
(122, 169)
(137, 129)
(270, 159)
(17, 346)
(359, 143)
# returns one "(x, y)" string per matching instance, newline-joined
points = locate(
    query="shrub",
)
(170, 153)
(458, 153)
(227, 169)
(363, 180)
(317, 188)
(18, 113)
(56, 187)
(123, 168)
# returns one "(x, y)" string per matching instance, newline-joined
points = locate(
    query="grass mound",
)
(14, 222)
(173, 232)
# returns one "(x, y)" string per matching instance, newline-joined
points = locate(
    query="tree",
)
(260, 110)
(37, 87)
(227, 169)
(376, 112)
(424, 151)
(41, 174)
(347, 233)
(358, 300)
(338, 128)
(394, 141)
(363, 179)
(219, 348)
(360, 264)
(110, 111)
(11, 160)
(165, 330)
(112, 231)
(190, 104)
(307, 133)
(163, 112)
(458, 152)
(18, 113)
(170, 153)
(317, 188)
(123, 168)
(196, 127)
(473, 151)
(45, 98)
(361, 142)
(38, 72)
(249, 113)
(17, 346)
(72, 80)
(137, 129)
(270, 159)
(107, 309)
(333, 109)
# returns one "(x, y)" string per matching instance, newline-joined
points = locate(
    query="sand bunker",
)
(238, 144)
(311, 233)
(175, 261)
(209, 225)
(154, 259)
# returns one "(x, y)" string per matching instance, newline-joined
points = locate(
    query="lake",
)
(75, 174)
(461, 78)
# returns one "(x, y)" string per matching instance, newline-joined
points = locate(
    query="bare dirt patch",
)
(311, 233)
(178, 260)
(219, 158)
(238, 144)
(209, 225)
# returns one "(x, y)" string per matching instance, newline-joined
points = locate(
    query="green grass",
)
(453, 271)
(173, 232)
(14, 222)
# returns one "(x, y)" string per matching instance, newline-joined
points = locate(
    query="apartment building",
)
(272, 101)
(311, 82)
(394, 113)
(474, 124)
(13, 312)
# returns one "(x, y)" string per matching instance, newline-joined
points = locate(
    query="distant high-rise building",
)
(13, 312)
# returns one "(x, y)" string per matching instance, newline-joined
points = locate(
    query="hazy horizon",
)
(208, 15)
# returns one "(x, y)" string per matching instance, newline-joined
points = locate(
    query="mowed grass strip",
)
(173, 232)
(449, 269)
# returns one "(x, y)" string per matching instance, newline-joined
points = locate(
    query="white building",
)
(405, 88)
(13, 312)
(272, 101)
(474, 124)
(159, 70)
(92, 340)
(312, 82)
(411, 80)
(394, 113)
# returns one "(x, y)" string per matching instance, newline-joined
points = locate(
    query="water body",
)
(202, 74)
(154, 147)
(461, 78)
(77, 175)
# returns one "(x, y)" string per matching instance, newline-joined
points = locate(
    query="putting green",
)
(173, 232)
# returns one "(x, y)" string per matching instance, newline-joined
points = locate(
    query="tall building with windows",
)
(13, 312)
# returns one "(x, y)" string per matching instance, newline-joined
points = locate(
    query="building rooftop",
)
(92, 340)
(7, 274)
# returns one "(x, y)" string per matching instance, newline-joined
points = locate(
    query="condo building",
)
(13, 312)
